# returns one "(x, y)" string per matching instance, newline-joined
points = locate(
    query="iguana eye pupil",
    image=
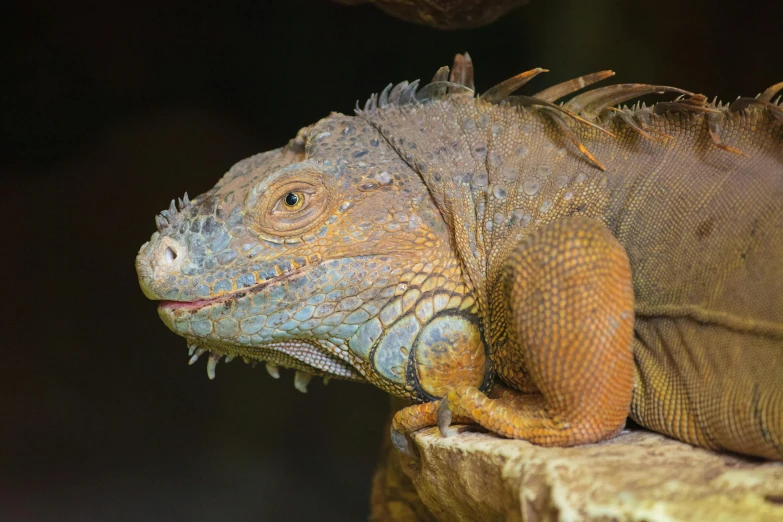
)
(291, 199)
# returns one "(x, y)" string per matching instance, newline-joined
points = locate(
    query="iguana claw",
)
(444, 419)
(402, 442)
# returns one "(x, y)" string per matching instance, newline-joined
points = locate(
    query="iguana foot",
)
(415, 417)
(520, 417)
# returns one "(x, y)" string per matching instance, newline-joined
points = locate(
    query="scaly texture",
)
(601, 261)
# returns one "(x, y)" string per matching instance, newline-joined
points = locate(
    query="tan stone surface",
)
(638, 476)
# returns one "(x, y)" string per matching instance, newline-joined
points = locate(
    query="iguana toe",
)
(402, 442)
(444, 419)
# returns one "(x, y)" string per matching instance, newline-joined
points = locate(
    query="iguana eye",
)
(293, 200)
(288, 206)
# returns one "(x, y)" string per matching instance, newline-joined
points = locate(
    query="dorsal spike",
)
(556, 92)
(383, 100)
(625, 117)
(394, 95)
(529, 100)
(714, 130)
(408, 94)
(558, 119)
(770, 93)
(437, 90)
(462, 71)
(442, 75)
(697, 103)
(742, 103)
(591, 103)
(505, 88)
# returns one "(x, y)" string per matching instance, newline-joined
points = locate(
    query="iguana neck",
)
(496, 174)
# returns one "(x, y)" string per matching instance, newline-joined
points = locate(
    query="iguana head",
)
(327, 256)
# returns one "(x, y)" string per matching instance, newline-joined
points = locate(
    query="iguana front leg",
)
(568, 302)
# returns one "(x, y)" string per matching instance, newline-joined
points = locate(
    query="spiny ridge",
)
(585, 108)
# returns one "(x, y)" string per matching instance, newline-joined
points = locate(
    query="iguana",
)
(545, 270)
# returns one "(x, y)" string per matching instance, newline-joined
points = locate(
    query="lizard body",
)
(543, 270)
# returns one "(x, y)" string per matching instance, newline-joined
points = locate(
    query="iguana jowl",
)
(602, 261)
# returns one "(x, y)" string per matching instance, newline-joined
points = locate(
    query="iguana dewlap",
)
(601, 262)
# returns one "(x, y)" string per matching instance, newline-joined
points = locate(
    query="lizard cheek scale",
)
(543, 269)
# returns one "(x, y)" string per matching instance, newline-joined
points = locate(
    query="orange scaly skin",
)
(599, 262)
(568, 291)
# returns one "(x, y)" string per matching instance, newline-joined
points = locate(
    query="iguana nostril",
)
(166, 256)
(169, 255)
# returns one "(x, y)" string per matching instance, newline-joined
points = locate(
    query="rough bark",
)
(638, 476)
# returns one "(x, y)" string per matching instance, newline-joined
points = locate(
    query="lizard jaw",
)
(303, 356)
(197, 304)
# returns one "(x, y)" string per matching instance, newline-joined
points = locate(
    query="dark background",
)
(109, 111)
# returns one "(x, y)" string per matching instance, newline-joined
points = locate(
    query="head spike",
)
(161, 222)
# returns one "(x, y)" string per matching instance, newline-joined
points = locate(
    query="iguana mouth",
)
(237, 294)
(299, 355)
